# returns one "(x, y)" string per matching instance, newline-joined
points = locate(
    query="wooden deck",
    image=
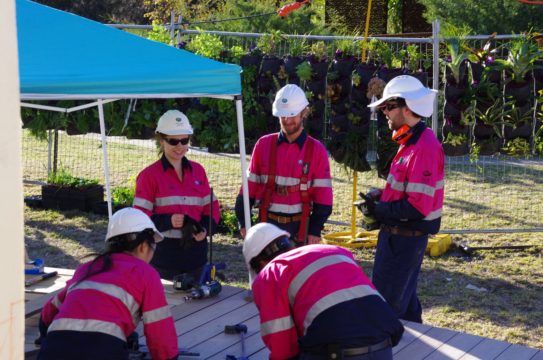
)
(200, 329)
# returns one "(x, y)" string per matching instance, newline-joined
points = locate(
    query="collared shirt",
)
(317, 295)
(289, 165)
(113, 302)
(414, 192)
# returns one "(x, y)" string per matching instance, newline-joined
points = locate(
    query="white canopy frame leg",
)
(243, 158)
(104, 155)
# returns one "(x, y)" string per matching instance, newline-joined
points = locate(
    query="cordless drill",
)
(205, 290)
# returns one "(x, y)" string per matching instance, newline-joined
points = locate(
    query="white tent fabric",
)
(65, 56)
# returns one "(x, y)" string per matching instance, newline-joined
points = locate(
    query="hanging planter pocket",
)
(68, 198)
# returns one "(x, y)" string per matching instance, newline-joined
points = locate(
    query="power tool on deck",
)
(207, 285)
(367, 207)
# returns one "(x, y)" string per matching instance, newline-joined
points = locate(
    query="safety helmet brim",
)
(257, 238)
(418, 98)
(131, 220)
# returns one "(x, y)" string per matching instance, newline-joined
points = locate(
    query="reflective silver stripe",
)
(440, 184)
(181, 200)
(336, 298)
(56, 302)
(114, 291)
(277, 325)
(312, 268)
(146, 204)
(286, 181)
(156, 315)
(436, 214)
(420, 188)
(175, 234)
(286, 209)
(87, 325)
(396, 185)
(322, 183)
(257, 178)
(205, 199)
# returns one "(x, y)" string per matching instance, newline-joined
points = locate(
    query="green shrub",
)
(63, 178)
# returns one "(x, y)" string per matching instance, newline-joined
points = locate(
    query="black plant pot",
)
(270, 65)
(264, 84)
(251, 60)
(454, 128)
(523, 131)
(421, 75)
(361, 128)
(453, 93)
(291, 62)
(344, 66)
(389, 74)
(476, 71)
(494, 76)
(68, 198)
(317, 108)
(317, 87)
(489, 147)
(482, 131)
(341, 107)
(455, 150)
(463, 75)
(452, 112)
(520, 92)
(359, 96)
(339, 123)
(366, 72)
(319, 69)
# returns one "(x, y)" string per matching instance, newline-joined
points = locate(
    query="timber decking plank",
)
(196, 305)
(35, 305)
(220, 344)
(486, 349)
(412, 332)
(538, 356)
(425, 344)
(456, 347)
(517, 352)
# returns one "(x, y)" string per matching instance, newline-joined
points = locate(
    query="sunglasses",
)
(389, 106)
(174, 142)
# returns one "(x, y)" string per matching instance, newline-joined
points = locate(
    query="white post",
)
(104, 154)
(12, 300)
(243, 158)
(435, 72)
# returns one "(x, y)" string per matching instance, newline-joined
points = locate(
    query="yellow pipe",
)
(353, 210)
(366, 31)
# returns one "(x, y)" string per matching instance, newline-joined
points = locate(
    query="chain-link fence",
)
(490, 192)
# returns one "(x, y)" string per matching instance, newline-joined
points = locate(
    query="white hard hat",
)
(130, 220)
(256, 239)
(174, 122)
(418, 98)
(290, 100)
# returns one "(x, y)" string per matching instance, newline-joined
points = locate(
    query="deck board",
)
(200, 328)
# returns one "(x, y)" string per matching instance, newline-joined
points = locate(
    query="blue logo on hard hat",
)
(178, 119)
(284, 100)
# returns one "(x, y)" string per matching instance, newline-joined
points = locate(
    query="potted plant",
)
(297, 48)
(345, 57)
(455, 144)
(518, 122)
(318, 58)
(522, 54)
(389, 63)
(269, 44)
(489, 121)
(482, 59)
(415, 62)
(518, 147)
(64, 191)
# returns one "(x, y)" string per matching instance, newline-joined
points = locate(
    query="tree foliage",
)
(104, 11)
(486, 17)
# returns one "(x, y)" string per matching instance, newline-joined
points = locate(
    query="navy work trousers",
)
(396, 270)
(383, 354)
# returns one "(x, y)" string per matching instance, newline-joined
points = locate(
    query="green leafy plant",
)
(346, 48)
(297, 46)
(63, 178)
(382, 52)
(123, 196)
(319, 51)
(269, 43)
(517, 147)
(516, 116)
(493, 115)
(523, 52)
(413, 57)
(304, 71)
(455, 139)
(159, 33)
(482, 55)
(207, 45)
(457, 57)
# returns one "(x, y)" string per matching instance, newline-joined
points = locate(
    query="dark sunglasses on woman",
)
(174, 142)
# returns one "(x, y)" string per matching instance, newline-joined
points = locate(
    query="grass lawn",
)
(496, 294)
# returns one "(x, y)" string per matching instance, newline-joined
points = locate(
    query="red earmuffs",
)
(403, 134)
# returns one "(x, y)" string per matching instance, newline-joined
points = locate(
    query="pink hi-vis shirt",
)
(159, 191)
(289, 160)
(296, 287)
(417, 175)
(113, 303)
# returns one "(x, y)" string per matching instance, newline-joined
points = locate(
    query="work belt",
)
(336, 352)
(284, 219)
(285, 190)
(398, 230)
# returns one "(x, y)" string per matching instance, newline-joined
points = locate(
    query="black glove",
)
(368, 206)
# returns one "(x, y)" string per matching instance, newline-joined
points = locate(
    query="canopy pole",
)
(104, 155)
(243, 157)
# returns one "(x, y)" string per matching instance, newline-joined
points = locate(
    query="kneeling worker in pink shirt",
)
(315, 302)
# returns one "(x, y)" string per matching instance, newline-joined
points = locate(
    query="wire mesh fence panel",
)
(495, 192)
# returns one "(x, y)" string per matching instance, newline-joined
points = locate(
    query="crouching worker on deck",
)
(102, 304)
(315, 301)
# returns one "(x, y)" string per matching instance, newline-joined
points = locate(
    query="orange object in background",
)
(287, 9)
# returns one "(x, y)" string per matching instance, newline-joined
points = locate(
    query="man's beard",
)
(293, 130)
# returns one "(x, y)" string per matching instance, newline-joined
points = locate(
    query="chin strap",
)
(403, 134)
